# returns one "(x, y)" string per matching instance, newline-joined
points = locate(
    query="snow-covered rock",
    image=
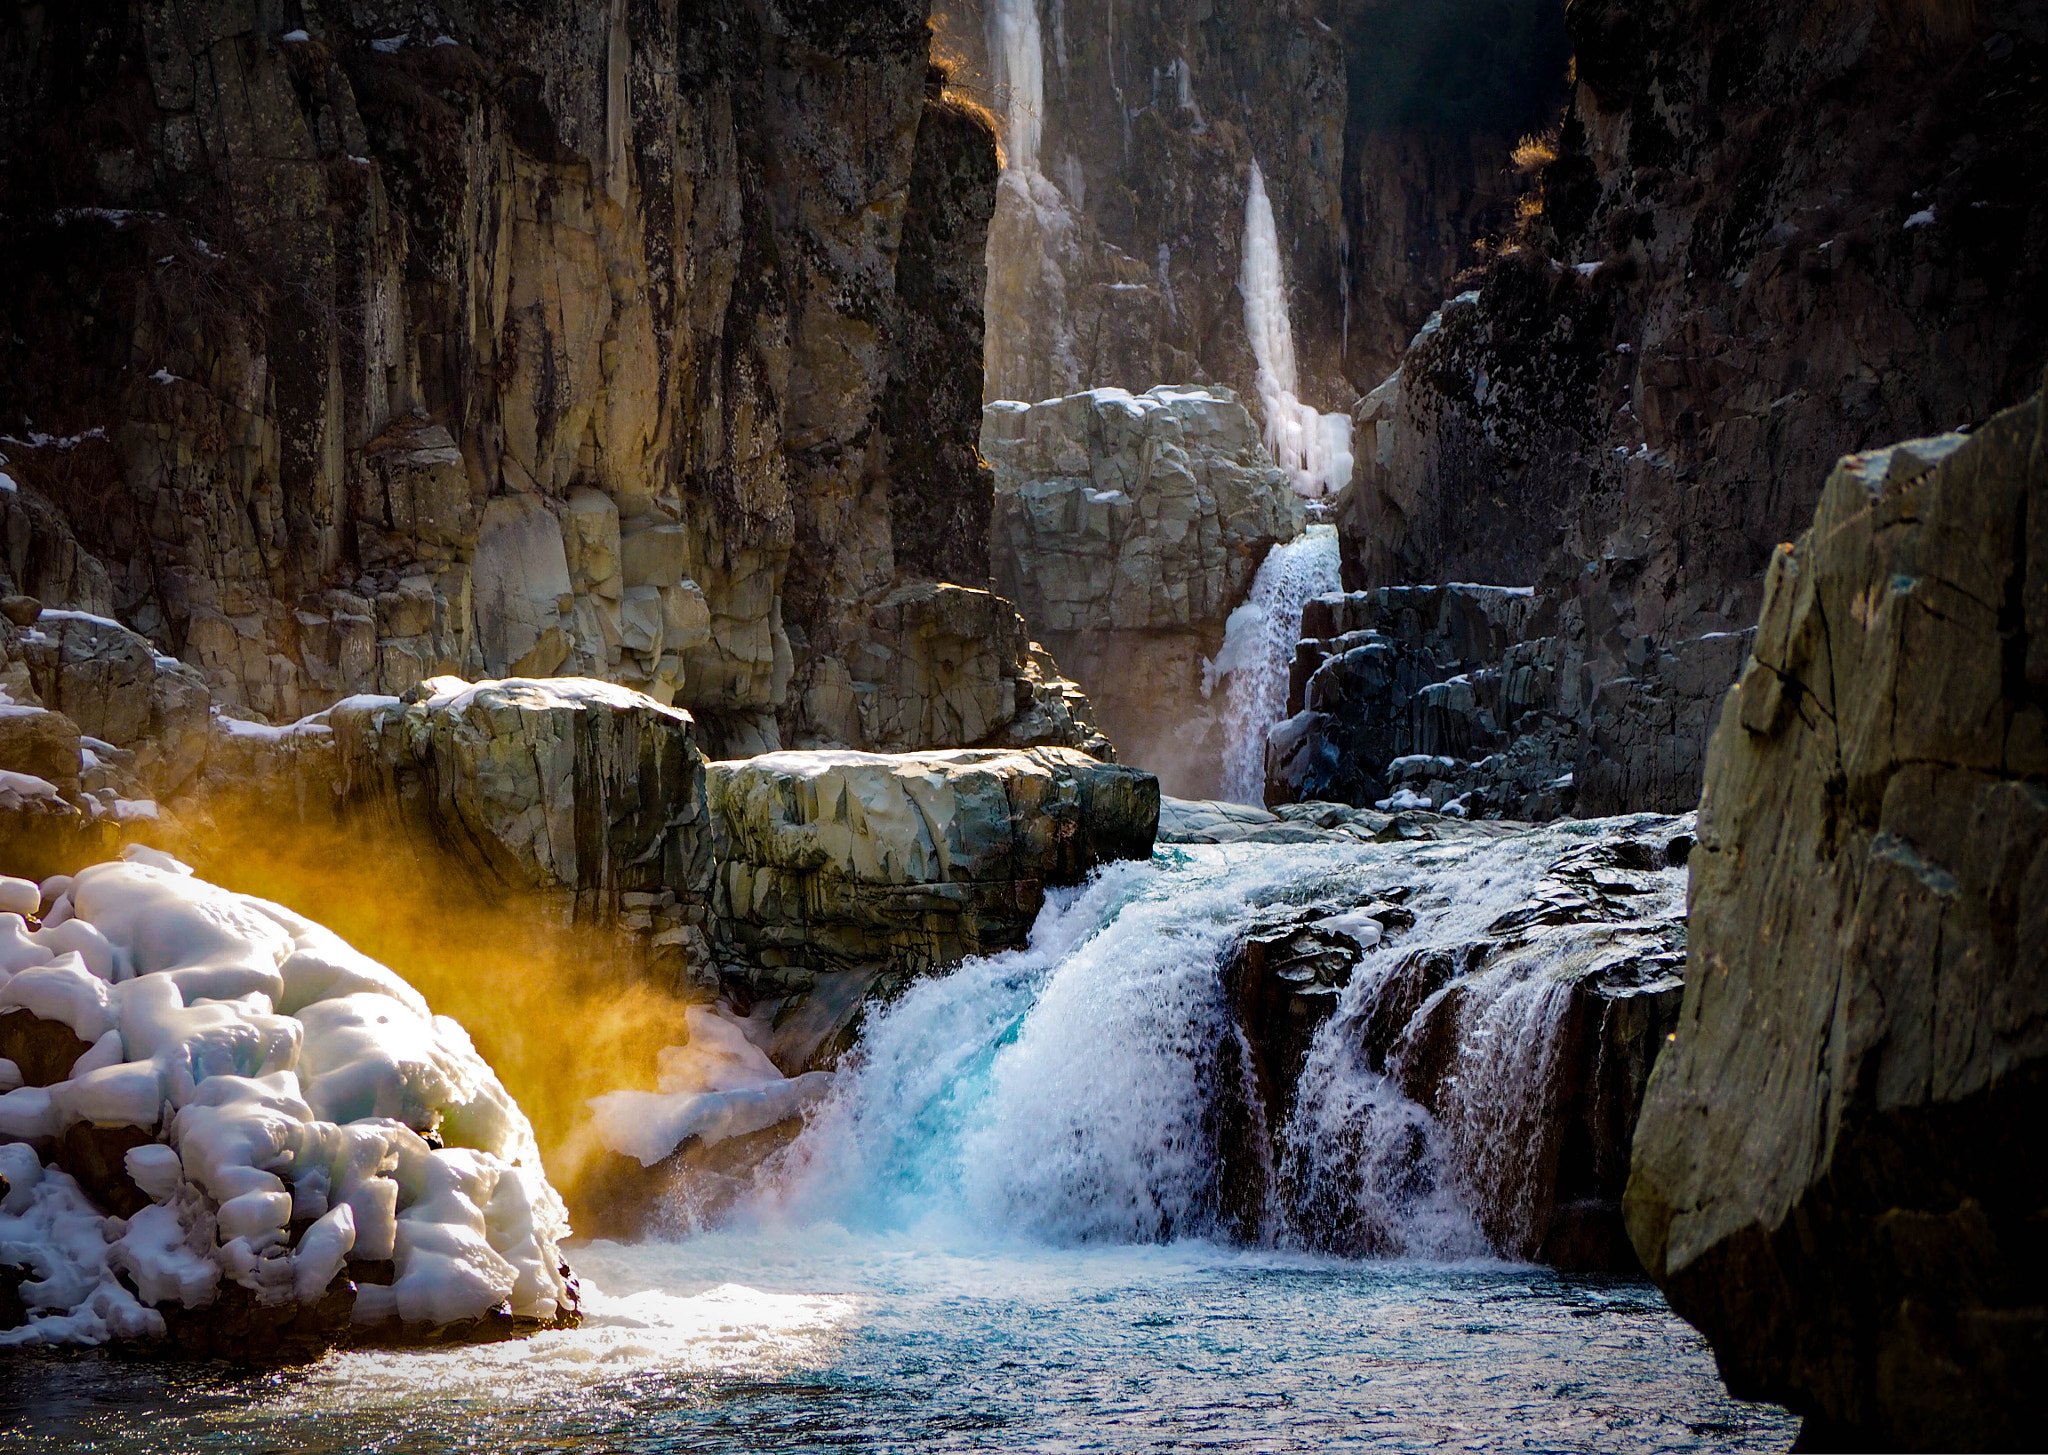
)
(268, 1139)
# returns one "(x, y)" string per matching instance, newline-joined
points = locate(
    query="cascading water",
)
(1313, 448)
(1258, 652)
(1080, 1090)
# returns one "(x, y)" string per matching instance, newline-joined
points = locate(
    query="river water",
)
(1001, 1233)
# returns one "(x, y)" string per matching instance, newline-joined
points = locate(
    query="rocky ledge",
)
(1493, 702)
(1837, 1175)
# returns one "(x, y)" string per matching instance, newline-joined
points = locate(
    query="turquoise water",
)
(998, 1235)
(837, 1341)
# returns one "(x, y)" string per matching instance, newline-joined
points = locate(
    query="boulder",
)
(234, 1133)
(116, 687)
(1838, 1175)
(841, 871)
(579, 791)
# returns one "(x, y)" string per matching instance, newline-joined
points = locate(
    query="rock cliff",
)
(1384, 129)
(1836, 1175)
(1128, 528)
(1755, 251)
(626, 341)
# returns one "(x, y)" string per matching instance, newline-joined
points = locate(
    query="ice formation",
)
(1258, 650)
(303, 1106)
(720, 1085)
(1313, 448)
(1018, 57)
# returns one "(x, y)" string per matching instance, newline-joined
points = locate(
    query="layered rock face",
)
(1836, 1175)
(1483, 701)
(616, 343)
(1754, 252)
(1128, 528)
(837, 871)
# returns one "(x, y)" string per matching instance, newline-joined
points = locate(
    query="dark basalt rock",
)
(1837, 1173)
(44, 1050)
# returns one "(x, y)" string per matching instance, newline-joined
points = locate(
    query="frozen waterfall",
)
(1017, 57)
(1258, 651)
(1313, 448)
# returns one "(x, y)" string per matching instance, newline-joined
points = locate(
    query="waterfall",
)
(1017, 57)
(1313, 448)
(1085, 1088)
(1258, 652)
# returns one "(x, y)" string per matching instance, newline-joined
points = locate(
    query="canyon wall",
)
(1384, 130)
(351, 345)
(1754, 252)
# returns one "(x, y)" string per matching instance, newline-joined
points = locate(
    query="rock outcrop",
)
(582, 795)
(634, 345)
(1127, 528)
(1837, 1174)
(1510, 1066)
(1754, 252)
(1487, 701)
(839, 873)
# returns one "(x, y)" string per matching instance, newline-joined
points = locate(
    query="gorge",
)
(1022, 724)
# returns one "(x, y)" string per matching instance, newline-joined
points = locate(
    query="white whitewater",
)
(1313, 448)
(1069, 1092)
(1258, 652)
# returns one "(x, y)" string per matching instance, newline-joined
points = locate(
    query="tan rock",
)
(1831, 1175)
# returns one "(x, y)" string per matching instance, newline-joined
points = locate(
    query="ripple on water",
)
(824, 1340)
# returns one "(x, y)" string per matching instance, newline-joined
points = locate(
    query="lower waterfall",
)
(1258, 651)
(1083, 1089)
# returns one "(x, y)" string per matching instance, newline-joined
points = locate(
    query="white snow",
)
(24, 786)
(721, 1085)
(1314, 449)
(389, 45)
(1922, 218)
(288, 1079)
(295, 37)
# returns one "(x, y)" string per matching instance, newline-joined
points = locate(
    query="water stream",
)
(1000, 1233)
(1258, 652)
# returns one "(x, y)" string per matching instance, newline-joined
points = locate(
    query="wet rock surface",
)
(1488, 701)
(1836, 1175)
(1513, 1062)
(1127, 528)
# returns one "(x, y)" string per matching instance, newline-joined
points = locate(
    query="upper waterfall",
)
(1313, 448)
(1017, 57)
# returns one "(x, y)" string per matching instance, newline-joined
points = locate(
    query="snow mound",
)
(721, 1085)
(298, 1108)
